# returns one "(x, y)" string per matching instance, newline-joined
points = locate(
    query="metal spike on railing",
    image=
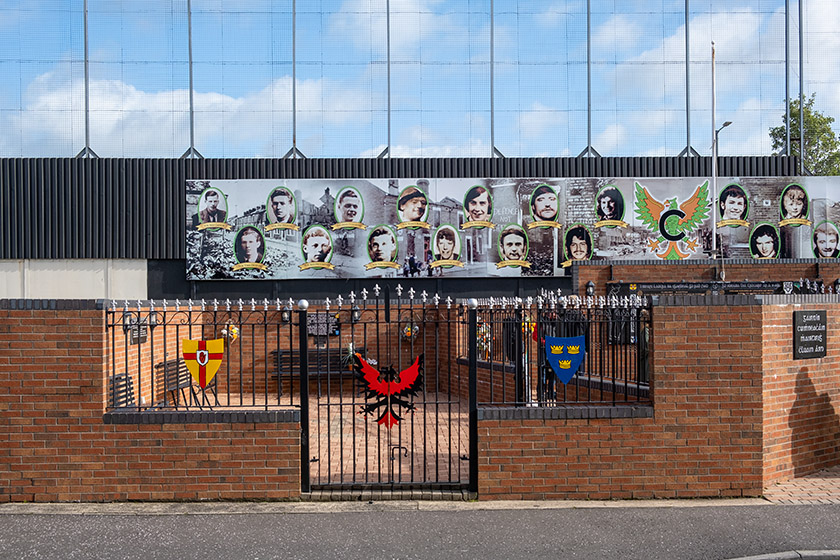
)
(265, 304)
(139, 305)
(399, 290)
(291, 303)
(448, 302)
(203, 305)
(564, 302)
(411, 293)
(114, 305)
(241, 303)
(253, 304)
(339, 300)
(177, 304)
(277, 304)
(189, 305)
(539, 302)
(529, 301)
(352, 297)
(376, 290)
(436, 299)
(151, 306)
(602, 301)
(327, 304)
(215, 304)
(423, 296)
(227, 304)
(364, 293)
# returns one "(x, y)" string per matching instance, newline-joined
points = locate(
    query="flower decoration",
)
(410, 332)
(230, 332)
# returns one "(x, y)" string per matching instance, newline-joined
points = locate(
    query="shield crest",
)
(203, 358)
(565, 354)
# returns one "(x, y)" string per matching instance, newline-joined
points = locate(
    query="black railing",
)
(511, 357)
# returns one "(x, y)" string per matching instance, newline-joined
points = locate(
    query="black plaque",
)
(135, 327)
(809, 334)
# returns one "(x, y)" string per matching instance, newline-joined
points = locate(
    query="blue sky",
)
(440, 76)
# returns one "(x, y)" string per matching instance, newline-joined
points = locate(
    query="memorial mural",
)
(473, 227)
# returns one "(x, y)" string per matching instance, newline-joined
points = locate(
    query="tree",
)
(822, 148)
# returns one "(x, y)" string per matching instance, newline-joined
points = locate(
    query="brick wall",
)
(801, 397)
(704, 437)
(56, 445)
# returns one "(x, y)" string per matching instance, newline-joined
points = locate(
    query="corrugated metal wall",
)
(67, 208)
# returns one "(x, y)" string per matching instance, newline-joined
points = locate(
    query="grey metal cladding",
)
(130, 208)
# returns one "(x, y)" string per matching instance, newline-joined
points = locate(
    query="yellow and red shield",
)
(203, 358)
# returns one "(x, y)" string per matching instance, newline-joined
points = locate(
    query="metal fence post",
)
(519, 370)
(305, 485)
(472, 343)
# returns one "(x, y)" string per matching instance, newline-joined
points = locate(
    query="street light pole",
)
(714, 186)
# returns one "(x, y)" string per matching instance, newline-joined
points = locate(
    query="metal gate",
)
(387, 401)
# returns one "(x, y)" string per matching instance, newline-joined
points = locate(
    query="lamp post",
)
(714, 186)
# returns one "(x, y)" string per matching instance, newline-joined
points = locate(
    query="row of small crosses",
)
(280, 304)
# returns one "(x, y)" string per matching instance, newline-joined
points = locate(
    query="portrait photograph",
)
(733, 204)
(513, 243)
(794, 203)
(349, 206)
(382, 244)
(826, 237)
(609, 204)
(544, 204)
(212, 207)
(249, 245)
(280, 206)
(578, 243)
(478, 204)
(316, 245)
(764, 242)
(447, 244)
(412, 205)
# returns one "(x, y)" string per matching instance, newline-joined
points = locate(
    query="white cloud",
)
(611, 139)
(539, 120)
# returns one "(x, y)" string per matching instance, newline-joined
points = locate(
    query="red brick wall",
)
(704, 439)
(801, 398)
(56, 447)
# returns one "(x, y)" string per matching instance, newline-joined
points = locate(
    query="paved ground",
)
(818, 488)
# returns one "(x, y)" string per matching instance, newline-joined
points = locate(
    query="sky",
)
(441, 91)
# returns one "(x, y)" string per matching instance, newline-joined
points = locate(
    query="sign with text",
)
(809, 334)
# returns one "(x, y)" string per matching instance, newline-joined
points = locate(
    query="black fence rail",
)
(513, 347)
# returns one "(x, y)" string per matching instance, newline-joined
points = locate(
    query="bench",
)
(121, 391)
(321, 362)
(174, 377)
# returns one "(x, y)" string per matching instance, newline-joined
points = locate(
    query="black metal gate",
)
(399, 419)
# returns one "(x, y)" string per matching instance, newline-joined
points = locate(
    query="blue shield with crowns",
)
(565, 355)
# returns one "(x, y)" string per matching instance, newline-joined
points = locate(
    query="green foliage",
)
(822, 148)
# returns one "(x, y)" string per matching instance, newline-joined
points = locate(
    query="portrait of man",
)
(447, 244)
(578, 243)
(412, 205)
(382, 244)
(513, 243)
(249, 245)
(764, 242)
(609, 204)
(544, 204)
(826, 239)
(732, 203)
(794, 204)
(478, 206)
(214, 210)
(316, 245)
(281, 206)
(348, 206)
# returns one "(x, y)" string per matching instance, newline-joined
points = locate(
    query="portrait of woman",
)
(447, 244)
(764, 242)
(794, 203)
(826, 237)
